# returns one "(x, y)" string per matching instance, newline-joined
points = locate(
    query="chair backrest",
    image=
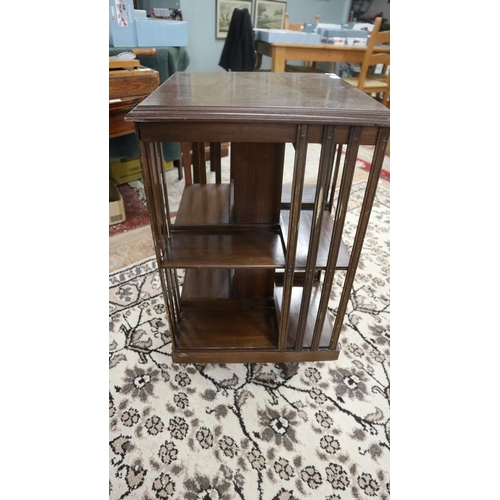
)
(297, 26)
(196, 154)
(373, 58)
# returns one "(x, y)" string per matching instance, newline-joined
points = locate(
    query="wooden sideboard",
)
(247, 268)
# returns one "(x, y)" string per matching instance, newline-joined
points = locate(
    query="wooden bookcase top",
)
(261, 97)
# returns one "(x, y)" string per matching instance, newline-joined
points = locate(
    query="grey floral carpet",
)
(245, 431)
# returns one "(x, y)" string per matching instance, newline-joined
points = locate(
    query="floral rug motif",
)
(245, 431)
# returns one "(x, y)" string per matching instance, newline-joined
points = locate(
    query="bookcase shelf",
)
(224, 249)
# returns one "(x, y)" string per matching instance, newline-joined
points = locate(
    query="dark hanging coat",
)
(239, 53)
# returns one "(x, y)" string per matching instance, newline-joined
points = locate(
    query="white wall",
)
(204, 49)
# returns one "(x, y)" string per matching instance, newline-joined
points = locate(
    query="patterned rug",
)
(245, 431)
(136, 209)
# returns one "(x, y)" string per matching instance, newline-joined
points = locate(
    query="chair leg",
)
(215, 160)
(178, 165)
(199, 163)
(186, 162)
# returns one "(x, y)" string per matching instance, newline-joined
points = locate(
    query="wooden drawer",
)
(132, 82)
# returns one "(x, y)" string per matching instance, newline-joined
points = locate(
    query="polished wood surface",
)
(323, 52)
(259, 260)
(204, 205)
(240, 249)
(228, 98)
(304, 237)
(294, 315)
(262, 168)
(256, 328)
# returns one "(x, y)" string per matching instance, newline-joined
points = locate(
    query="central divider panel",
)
(257, 172)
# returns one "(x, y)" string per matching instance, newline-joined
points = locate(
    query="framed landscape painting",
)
(225, 11)
(269, 15)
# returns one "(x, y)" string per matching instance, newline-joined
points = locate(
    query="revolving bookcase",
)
(248, 265)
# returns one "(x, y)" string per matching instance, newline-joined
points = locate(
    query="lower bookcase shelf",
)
(224, 249)
(213, 320)
(217, 319)
(223, 327)
(293, 318)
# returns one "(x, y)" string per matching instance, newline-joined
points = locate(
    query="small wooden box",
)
(140, 81)
(127, 88)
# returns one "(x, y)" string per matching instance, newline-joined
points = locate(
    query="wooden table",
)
(282, 52)
(258, 256)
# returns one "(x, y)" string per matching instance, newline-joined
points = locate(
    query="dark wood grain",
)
(293, 320)
(257, 97)
(202, 205)
(207, 287)
(261, 167)
(242, 131)
(253, 282)
(324, 247)
(255, 355)
(209, 328)
(207, 284)
(308, 195)
(242, 249)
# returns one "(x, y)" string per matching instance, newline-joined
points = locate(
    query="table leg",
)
(278, 60)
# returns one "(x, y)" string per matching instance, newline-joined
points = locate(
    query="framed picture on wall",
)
(225, 11)
(269, 14)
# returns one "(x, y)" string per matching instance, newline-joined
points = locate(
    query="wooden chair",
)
(309, 66)
(297, 26)
(196, 154)
(377, 85)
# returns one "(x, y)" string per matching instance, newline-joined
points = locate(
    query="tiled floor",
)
(136, 245)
